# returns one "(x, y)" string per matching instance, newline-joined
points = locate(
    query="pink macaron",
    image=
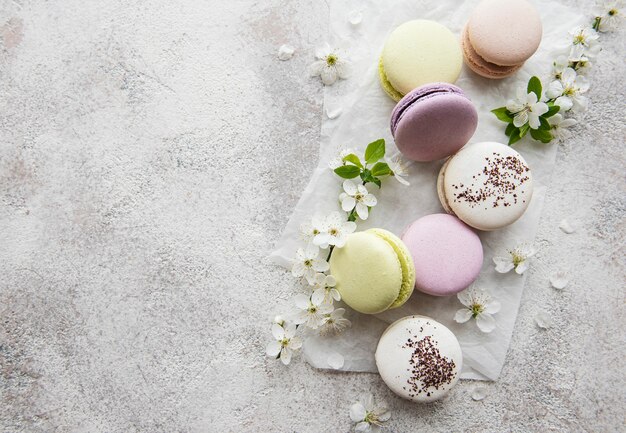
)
(447, 254)
(433, 122)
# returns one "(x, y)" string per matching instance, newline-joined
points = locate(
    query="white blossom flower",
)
(526, 109)
(478, 305)
(279, 320)
(558, 66)
(369, 417)
(285, 344)
(310, 312)
(335, 230)
(517, 259)
(568, 91)
(309, 230)
(578, 60)
(307, 263)
(357, 196)
(398, 168)
(334, 322)
(610, 13)
(329, 66)
(338, 161)
(586, 37)
(559, 126)
(325, 289)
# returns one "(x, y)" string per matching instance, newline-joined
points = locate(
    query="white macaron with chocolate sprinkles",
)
(419, 359)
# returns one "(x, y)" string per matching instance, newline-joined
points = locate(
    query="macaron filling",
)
(386, 84)
(406, 263)
(480, 65)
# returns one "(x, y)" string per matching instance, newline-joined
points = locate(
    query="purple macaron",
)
(447, 254)
(433, 122)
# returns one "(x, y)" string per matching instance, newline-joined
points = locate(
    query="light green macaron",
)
(374, 271)
(418, 52)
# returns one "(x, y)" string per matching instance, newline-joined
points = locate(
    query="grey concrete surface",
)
(150, 154)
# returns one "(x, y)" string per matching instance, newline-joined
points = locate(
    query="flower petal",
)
(362, 427)
(273, 349)
(492, 307)
(369, 200)
(357, 412)
(465, 297)
(329, 75)
(278, 331)
(348, 203)
(295, 343)
(503, 264)
(463, 315)
(521, 118)
(318, 296)
(349, 187)
(486, 323)
(564, 102)
(362, 211)
(290, 330)
(521, 268)
(320, 265)
(285, 355)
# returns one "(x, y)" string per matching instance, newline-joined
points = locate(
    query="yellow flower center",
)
(579, 38)
(284, 342)
(476, 309)
(308, 263)
(613, 12)
(331, 59)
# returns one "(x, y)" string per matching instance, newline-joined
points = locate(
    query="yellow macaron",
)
(416, 53)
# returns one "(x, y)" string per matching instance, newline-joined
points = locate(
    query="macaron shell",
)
(480, 65)
(419, 52)
(406, 262)
(487, 185)
(435, 125)
(386, 85)
(447, 254)
(419, 359)
(368, 272)
(505, 32)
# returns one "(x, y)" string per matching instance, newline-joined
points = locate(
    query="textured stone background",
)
(150, 154)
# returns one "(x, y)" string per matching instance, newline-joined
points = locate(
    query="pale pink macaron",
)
(447, 254)
(500, 36)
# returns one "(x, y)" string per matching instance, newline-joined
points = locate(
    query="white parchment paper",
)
(365, 117)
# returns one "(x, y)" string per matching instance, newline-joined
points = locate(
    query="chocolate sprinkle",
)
(503, 176)
(429, 369)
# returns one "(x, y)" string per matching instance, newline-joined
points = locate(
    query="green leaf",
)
(514, 138)
(552, 111)
(352, 158)
(365, 174)
(541, 135)
(523, 130)
(510, 129)
(534, 85)
(381, 169)
(348, 171)
(376, 181)
(503, 114)
(375, 150)
(544, 126)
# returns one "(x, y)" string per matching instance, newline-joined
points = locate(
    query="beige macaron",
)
(500, 36)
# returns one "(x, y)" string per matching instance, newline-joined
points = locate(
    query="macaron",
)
(500, 36)
(416, 53)
(433, 122)
(419, 359)
(447, 254)
(486, 185)
(373, 270)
